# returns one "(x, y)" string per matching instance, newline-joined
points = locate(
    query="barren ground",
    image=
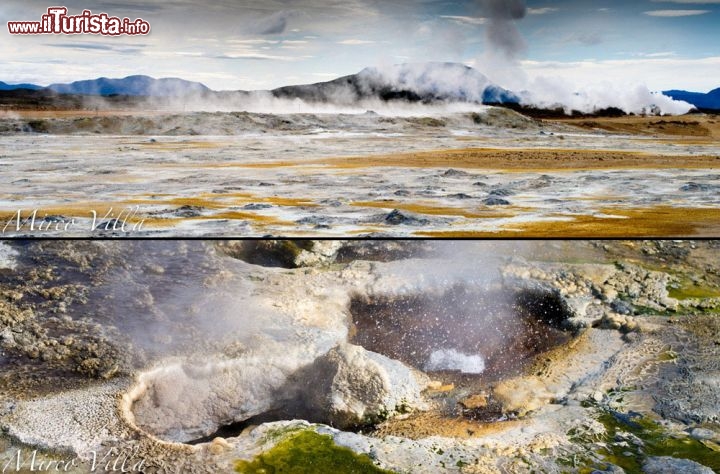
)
(489, 174)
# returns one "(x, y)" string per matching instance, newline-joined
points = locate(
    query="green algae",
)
(629, 439)
(685, 288)
(309, 452)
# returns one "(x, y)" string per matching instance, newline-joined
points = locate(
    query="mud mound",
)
(238, 123)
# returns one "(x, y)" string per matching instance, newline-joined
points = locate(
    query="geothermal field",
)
(352, 356)
(453, 170)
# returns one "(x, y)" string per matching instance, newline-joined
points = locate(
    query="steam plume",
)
(501, 33)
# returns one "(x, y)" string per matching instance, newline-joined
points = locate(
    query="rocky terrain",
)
(387, 356)
(422, 170)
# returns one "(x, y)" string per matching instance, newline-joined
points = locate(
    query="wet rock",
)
(331, 202)
(496, 201)
(474, 402)
(315, 220)
(267, 253)
(622, 307)
(460, 196)
(188, 211)
(703, 434)
(480, 184)
(502, 192)
(522, 395)
(610, 469)
(453, 173)
(354, 387)
(692, 187)
(398, 218)
(670, 465)
(402, 192)
(256, 207)
(624, 324)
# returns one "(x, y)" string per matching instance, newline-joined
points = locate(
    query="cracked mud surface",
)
(492, 173)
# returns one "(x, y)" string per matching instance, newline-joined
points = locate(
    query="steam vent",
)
(349, 356)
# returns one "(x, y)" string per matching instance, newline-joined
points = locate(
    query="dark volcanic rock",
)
(188, 211)
(453, 173)
(503, 192)
(256, 207)
(693, 187)
(496, 201)
(398, 218)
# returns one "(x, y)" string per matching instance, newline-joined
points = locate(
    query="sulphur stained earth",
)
(360, 356)
(428, 172)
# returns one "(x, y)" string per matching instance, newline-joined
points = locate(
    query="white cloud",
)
(676, 13)
(663, 54)
(256, 56)
(468, 20)
(657, 73)
(355, 42)
(251, 41)
(541, 11)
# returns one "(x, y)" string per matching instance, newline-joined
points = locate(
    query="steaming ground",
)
(135, 348)
(423, 171)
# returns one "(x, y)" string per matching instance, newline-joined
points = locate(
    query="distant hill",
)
(132, 86)
(423, 82)
(12, 87)
(709, 101)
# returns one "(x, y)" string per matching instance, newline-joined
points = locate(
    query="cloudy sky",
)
(250, 44)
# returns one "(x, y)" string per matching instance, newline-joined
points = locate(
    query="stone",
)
(496, 201)
(502, 192)
(256, 206)
(353, 386)
(476, 401)
(670, 465)
(694, 187)
(703, 434)
(453, 173)
(398, 218)
(621, 307)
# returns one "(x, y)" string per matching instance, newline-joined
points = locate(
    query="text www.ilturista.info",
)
(58, 22)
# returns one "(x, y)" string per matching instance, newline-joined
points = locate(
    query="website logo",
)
(57, 22)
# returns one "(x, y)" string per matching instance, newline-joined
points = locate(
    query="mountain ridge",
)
(427, 82)
(702, 101)
(137, 85)
(11, 87)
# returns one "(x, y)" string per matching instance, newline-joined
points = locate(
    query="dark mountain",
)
(12, 87)
(132, 86)
(709, 101)
(424, 82)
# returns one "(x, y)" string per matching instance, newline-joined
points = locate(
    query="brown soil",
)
(706, 127)
(427, 424)
(661, 221)
(521, 159)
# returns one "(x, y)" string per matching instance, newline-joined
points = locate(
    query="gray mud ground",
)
(118, 350)
(243, 174)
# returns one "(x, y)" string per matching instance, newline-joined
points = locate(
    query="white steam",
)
(551, 93)
(450, 359)
(501, 34)
(505, 45)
